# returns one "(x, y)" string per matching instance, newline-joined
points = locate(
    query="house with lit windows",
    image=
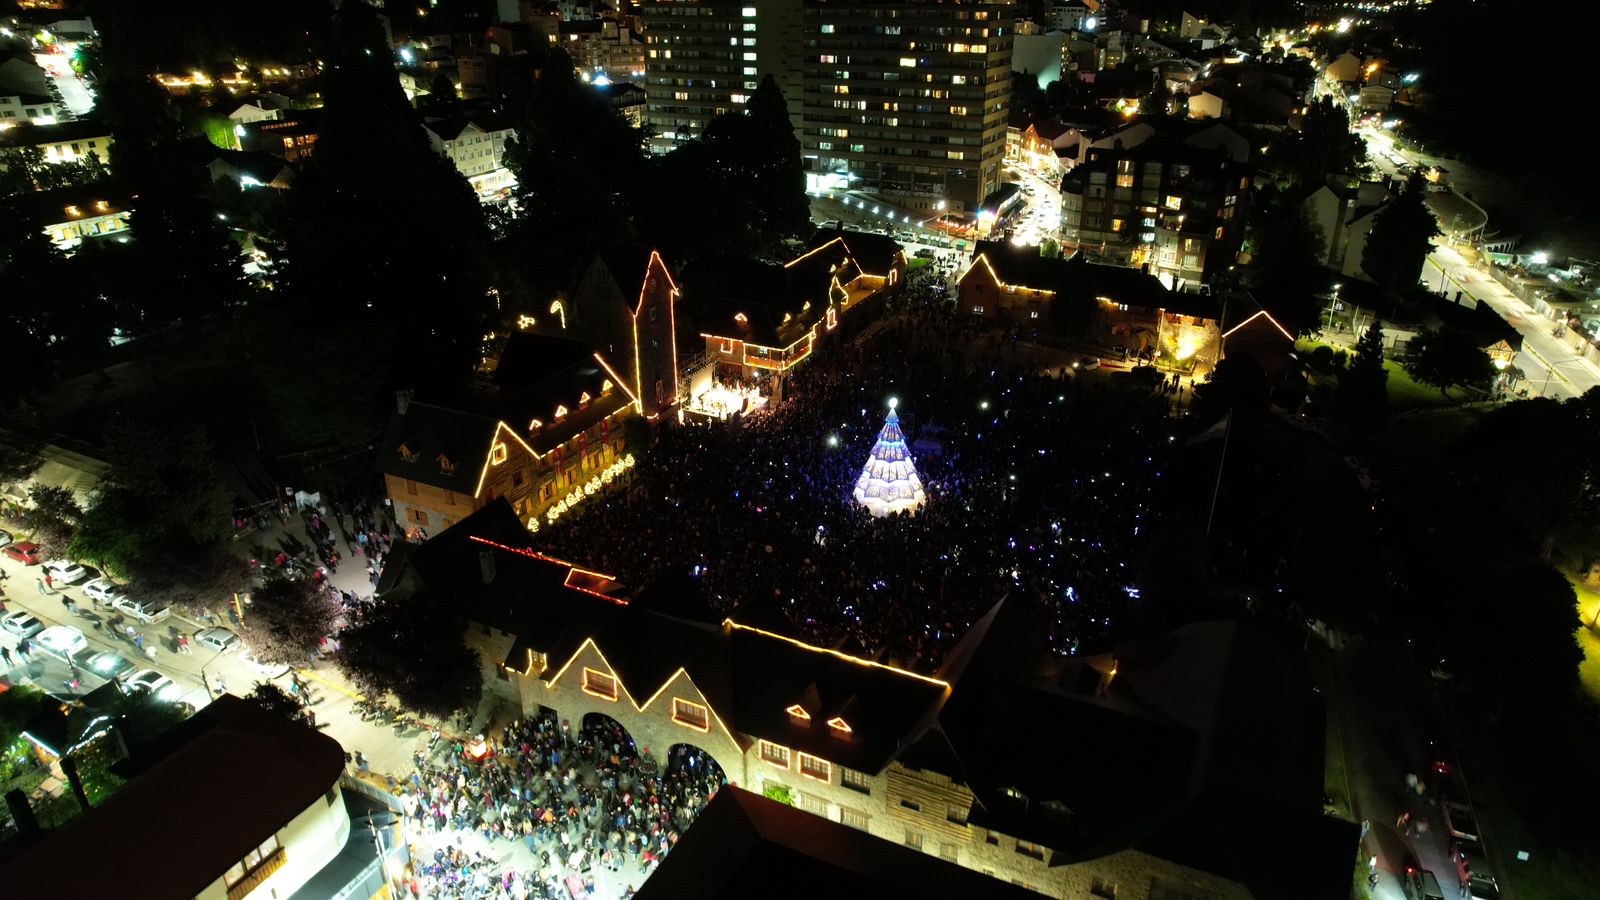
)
(762, 319)
(1184, 765)
(545, 429)
(1017, 286)
(78, 213)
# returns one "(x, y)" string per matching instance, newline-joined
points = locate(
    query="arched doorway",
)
(689, 779)
(608, 734)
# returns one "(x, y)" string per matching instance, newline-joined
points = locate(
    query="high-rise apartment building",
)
(706, 57)
(908, 98)
(902, 99)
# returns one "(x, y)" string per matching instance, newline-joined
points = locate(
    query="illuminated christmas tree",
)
(889, 482)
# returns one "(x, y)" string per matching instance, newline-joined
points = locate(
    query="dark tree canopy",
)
(1447, 358)
(287, 619)
(410, 646)
(1362, 399)
(1284, 273)
(279, 702)
(1402, 235)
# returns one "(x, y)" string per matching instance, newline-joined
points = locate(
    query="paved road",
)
(74, 91)
(1549, 363)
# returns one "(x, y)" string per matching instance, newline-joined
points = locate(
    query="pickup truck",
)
(1458, 819)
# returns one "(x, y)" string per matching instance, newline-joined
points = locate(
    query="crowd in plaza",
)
(580, 803)
(1037, 484)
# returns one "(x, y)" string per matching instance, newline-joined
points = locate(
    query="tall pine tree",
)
(1402, 234)
(1362, 400)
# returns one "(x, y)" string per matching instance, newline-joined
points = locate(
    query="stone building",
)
(1186, 765)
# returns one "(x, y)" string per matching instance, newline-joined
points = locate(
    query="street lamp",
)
(1550, 369)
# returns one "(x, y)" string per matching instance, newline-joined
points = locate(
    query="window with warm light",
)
(498, 454)
(777, 754)
(855, 781)
(691, 714)
(798, 714)
(815, 767)
(838, 727)
(599, 684)
(1174, 202)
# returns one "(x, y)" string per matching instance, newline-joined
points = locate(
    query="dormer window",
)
(605, 387)
(561, 411)
(535, 425)
(839, 727)
(102, 205)
(73, 211)
(445, 465)
(407, 454)
(798, 714)
(740, 318)
(583, 402)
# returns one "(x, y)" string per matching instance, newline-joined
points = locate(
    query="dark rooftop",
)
(744, 845)
(264, 767)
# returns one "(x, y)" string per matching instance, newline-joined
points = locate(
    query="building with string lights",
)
(763, 319)
(546, 427)
(1019, 286)
(1185, 765)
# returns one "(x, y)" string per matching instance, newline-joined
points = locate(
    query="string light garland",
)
(889, 482)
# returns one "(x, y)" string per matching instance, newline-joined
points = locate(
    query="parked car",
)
(110, 664)
(144, 610)
(61, 640)
(269, 670)
(153, 683)
(1459, 821)
(1420, 884)
(219, 639)
(25, 552)
(1483, 887)
(22, 624)
(65, 571)
(103, 592)
(1469, 861)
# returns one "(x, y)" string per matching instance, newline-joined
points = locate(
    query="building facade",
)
(476, 145)
(945, 764)
(909, 100)
(1174, 207)
(704, 58)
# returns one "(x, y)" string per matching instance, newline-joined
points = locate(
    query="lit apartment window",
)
(1125, 181)
(691, 714)
(777, 754)
(750, 57)
(749, 70)
(854, 780)
(255, 868)
(956, 815)
(1116, 225)
(1174, 202)
(813, 767)
(749, 12)
(908, 62)
(599, 684)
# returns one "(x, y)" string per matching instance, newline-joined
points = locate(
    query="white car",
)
(61, 640)
(270, 670)
(146, 611)
(219, 639)
(104, 592)
(22, 624)
(155, 684)
(65, 571)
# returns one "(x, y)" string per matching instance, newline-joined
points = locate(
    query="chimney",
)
(402, 400)
(486, 565)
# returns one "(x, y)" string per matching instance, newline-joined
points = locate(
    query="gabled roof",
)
(55, 206)
(765, 674)
(540, 375)
(1076, 276)
(771, 299)
(874, 254)
(417, 439)
(743, 845)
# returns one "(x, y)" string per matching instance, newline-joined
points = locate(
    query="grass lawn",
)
(1404, 394)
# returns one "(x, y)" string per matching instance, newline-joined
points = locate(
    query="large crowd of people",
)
(580, 803)
(1037, 486)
